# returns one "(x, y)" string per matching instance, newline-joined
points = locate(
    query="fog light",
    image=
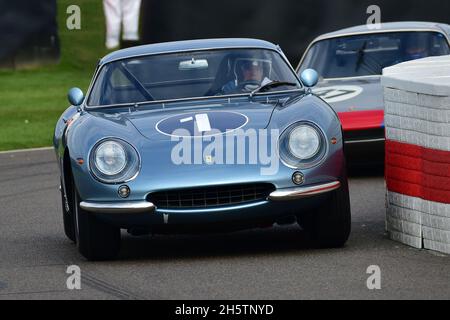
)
(124, 191)
(298, 178)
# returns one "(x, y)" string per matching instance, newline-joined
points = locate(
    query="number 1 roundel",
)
(202, 123)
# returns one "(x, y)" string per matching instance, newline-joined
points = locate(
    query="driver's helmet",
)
(416, 46)
(251, 71)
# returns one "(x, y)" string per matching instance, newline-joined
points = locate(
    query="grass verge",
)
(31, 101)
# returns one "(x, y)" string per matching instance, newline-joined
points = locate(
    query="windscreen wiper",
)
(363, 60)
(360, 52)
(272, 84)
(130, 76)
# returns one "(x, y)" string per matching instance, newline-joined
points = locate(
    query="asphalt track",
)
(275, 263)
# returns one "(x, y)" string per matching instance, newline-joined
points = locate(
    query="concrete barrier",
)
(417, 121)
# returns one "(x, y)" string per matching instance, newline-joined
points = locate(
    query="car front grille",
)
(211, 196)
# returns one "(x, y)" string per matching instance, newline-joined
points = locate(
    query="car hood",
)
(358, 101)
(149, 131)
(164, 163)
(209, 119)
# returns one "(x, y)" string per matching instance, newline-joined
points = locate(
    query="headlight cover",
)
(304, 142)
(302, 145)
(114, 161)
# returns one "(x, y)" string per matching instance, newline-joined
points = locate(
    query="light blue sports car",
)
(204, 135)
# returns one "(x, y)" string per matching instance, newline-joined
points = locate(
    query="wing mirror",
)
(309, 78)
(75, 96)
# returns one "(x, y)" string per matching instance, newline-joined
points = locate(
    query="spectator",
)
(121, 16)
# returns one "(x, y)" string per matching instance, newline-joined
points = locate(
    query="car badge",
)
(209, 159)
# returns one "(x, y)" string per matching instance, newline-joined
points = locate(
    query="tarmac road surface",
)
(275, 263)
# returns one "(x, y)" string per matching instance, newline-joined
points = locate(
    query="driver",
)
(416, 47)
(249, 75)
(252, 70)
(416, 52)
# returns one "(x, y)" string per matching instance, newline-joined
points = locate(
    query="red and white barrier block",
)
(417, 121)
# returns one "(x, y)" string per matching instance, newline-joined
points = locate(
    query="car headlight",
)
(114, 161)
(302, 145)
(304, 142)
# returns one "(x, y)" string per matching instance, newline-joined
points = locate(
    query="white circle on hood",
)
(338, 93)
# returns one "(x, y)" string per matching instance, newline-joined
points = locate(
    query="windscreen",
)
(368, 54)
(190, 74)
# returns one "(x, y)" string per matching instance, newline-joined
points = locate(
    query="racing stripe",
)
(361, 120)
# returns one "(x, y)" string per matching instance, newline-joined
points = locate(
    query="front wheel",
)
(95, 239)
(329, 225)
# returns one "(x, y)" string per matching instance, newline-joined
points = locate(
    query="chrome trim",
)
(303, 192)
(376, 31)
(118, 207)
(365, 141)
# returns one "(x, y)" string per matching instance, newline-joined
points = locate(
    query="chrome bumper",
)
(148, 207)
(364, 141)
(303, 192)
(118, 207)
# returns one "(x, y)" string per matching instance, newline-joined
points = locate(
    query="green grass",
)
(31, 101)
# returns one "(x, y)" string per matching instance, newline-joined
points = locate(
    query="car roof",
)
(187, 45)
(389, 27)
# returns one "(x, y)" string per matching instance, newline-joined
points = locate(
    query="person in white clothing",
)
(121, 13)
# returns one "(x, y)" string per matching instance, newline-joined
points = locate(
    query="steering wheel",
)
(248, 85)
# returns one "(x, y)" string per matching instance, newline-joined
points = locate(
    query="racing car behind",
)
(350, 63)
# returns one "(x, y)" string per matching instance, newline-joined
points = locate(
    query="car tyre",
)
(95, 239)
(329, 225)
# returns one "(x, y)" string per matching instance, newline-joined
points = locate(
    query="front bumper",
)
(303, 192)
(138, 207)
(118, 207)
(365, 141)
